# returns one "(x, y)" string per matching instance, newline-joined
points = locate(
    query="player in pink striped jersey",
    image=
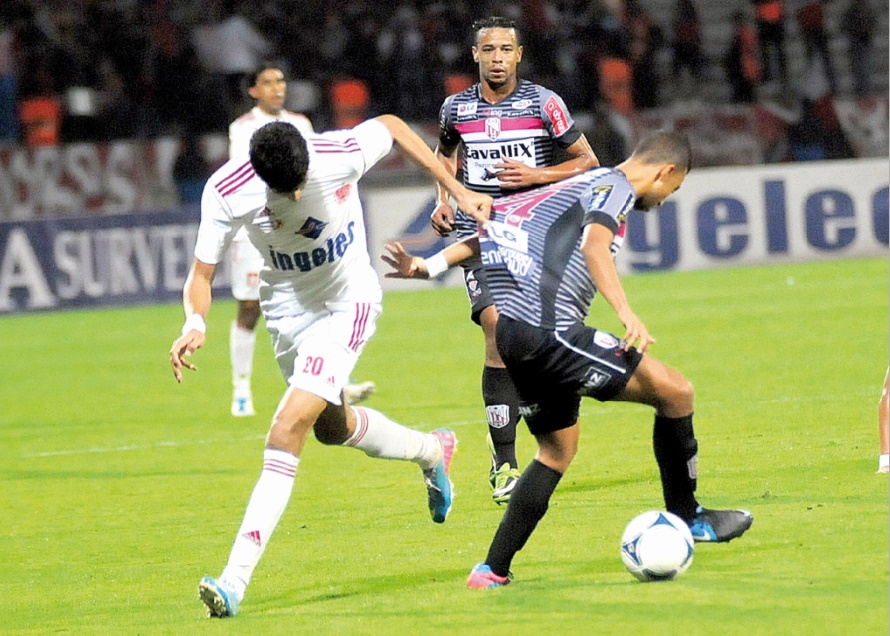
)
(320, 297)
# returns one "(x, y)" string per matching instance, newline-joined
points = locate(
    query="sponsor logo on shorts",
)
(596, 379)
(605, 340)
(473, 289)
(529, 410)
(498, 415)
(557, 115)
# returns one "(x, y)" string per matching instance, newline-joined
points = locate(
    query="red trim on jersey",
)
(362, 311)
(519, 123)
(326, 146)
(236, 179)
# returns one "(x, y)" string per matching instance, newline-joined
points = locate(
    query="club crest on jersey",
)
(312, 228)
(343, 193)
(466, 109)
(493, 127)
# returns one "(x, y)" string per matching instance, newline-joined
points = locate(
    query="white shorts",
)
(246, 265)
(317, 351)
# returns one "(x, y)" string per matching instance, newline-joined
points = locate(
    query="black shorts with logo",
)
(477, 288)
(553, 370)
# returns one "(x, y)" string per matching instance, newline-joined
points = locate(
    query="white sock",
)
(380, 437)
(883, 461)
(242, 342)
(267, 504)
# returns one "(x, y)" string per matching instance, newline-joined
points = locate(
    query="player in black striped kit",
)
(508, 131)
(547, 252)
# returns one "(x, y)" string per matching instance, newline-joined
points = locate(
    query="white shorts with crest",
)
(318, 350)
(246, 265)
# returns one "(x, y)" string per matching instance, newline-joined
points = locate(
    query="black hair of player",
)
(494, 22)
(665, 146)
(254, 75)
(279, 155)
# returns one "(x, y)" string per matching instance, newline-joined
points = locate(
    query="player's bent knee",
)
(678, 396)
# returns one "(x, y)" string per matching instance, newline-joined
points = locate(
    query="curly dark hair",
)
(494, 22)
(279, 155)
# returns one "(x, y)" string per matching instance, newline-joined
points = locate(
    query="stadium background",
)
(765, 281)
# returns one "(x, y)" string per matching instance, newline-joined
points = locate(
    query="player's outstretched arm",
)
(476, 205)
(515, 174)
(596, 246)
(409, 266)
(196, 299)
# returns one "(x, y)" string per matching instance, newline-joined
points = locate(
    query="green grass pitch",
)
(120, 488)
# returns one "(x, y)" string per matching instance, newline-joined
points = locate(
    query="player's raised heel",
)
(438, 484)
(719, 526)
(219, 597)
(482, 578)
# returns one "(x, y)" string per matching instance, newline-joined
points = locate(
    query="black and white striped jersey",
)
(531, 249)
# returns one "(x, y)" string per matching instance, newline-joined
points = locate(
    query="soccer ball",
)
(657, 546)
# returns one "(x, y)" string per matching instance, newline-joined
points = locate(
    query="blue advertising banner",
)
(98, 261)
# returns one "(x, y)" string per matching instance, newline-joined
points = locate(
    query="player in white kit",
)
(320, 297)
(268, 88)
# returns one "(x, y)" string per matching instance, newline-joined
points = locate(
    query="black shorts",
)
(477, 288)
(553, 370)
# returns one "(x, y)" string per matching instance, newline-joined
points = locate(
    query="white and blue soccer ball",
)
(657, 546)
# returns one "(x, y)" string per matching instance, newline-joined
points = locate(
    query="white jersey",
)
(315, 250)
(242, 129)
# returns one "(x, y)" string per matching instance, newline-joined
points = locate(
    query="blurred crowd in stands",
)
(120, 69)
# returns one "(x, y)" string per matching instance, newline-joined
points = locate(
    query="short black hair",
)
(254, 75)
(279, 155)
(665, 146)
(494, 22)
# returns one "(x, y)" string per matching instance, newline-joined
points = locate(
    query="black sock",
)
(527, 506)
(502, 411)
(676, 451)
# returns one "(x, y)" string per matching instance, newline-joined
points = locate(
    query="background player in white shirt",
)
(269, 88)
(320, 297)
